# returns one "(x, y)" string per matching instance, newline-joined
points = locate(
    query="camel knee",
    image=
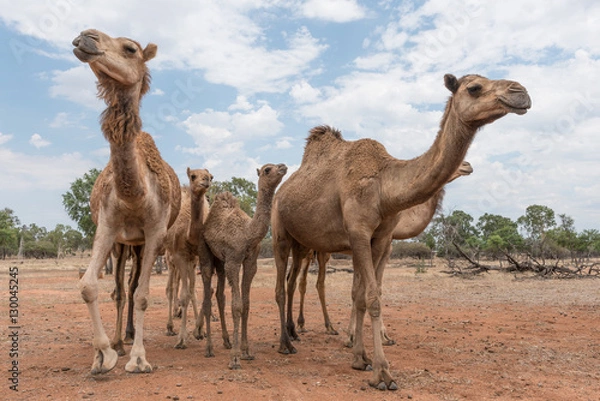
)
(141, 302)
(89, 292)
(374, 307)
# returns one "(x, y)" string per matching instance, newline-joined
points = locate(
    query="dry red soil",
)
(493, 337)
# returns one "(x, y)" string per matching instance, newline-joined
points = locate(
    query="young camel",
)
(137, 196)
(347, 196)
(233, 238)
(181, 250)
(412, 223)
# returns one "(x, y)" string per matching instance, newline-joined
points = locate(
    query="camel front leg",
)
(169, 291)
(250, 268)
(137, 362)
(232, 270)
(105, 358)
(298, 256)
(220, 295)
(186, 269)
(366, 298)
(281, 250)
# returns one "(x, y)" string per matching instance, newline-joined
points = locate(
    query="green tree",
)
(536, 222)
(77, 203)
(565, 235)
(244, 190)
(9, 232)
(454, 228)
(498, 233)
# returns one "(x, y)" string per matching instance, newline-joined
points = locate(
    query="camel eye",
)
(193, 177)
(130, 49)
(267, 170)
(212, 178)
(474, 90)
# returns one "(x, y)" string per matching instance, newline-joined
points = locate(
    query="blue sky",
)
(237, 84)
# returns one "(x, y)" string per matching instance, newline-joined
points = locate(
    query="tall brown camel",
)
(347, 195)
(137, 196)
(181, 253)
(233, 238)
(412, 223)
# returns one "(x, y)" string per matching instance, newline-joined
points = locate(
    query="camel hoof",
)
(139, 365)
(382, 386)
(389, 342)
(128, 339)
(118, 346)
(226, 343)
(247, 357)
(287, 350)
(170, 331)
(104, 361)
(198, 335)
(209, 353)
(235, 364)
(180, 345)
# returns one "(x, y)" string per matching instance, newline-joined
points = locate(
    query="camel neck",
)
(425, 175)
(259, 225)
(121, 124)
(196, 226)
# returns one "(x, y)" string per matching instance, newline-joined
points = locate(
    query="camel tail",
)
(321, 131)
(225, 200)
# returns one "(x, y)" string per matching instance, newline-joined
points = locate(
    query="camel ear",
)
(150, 51)
(258, 172)
(451, 82)
(188, 172)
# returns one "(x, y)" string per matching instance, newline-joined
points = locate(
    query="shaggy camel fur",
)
(347, 195)
(412, 223)
(233, 238)
(137, 196)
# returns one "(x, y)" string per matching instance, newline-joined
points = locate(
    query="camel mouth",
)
(519, 106)
(282, 169)
(85, 48)
(466, 168)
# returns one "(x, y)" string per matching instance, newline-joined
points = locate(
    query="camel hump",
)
(322, 131)
(225, 200)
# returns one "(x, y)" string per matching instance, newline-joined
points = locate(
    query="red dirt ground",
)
(494, 337)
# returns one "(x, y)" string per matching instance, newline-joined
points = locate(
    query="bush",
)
(403, 249)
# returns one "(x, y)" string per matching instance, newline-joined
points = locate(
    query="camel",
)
(233, 239)
(347, 195)
(137, 196)
(181, 252)
(412, 223)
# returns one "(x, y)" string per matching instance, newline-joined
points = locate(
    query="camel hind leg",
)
(134, 277)
(322, 259)
(118, 296)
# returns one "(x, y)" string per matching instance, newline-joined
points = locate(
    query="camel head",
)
(116, 62)
(478, 100)
(200, 180)
(270, 175)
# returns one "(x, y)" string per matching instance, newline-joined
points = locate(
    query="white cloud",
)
(220, 137)
(4, 138)
(157, 92)
(219, 38)
(37, 141)
(78, 85)
(333, 10)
